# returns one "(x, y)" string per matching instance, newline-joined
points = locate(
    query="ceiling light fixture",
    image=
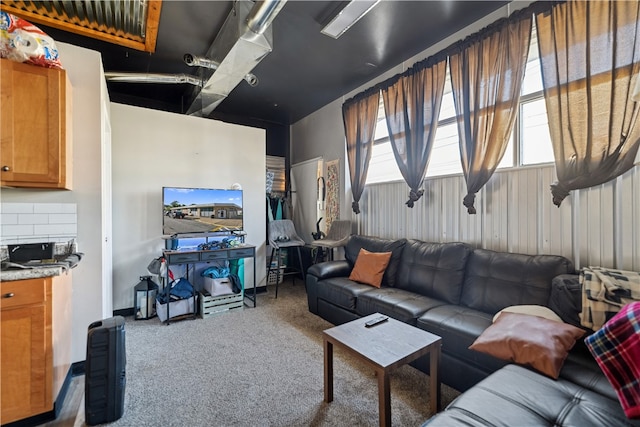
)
(348, 16)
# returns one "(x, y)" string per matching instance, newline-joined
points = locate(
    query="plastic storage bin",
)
(217, 287)
(273, 276)
(176, 308)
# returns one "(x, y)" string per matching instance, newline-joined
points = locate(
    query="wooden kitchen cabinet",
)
(35, 345)
(35, 126)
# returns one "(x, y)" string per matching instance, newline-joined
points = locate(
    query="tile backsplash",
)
(37, 222)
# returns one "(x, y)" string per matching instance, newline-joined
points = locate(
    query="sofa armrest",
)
(325, 270)
(319, 272)
(566, 298)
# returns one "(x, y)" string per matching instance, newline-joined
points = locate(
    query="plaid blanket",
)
(604, 292)
(616, 348)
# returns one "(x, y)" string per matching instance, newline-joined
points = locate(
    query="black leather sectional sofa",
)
(454, 290)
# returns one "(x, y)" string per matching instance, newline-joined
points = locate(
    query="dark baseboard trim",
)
(259, 290)
(124, 312)
(77, 368)
(57, 405)
(36, 420)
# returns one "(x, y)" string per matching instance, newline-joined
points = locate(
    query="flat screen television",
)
(201, 210)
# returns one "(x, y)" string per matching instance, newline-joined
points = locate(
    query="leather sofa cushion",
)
(342, 292)
(566, 298)
(434, 269)
(495, 280)
(459, 327)
(376, 244)
(582, 369)
(516, 396)
(397, 303)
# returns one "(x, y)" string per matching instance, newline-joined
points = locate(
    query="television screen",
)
(201, 210)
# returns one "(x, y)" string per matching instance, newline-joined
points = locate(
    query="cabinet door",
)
(33, 123)
(23, 377)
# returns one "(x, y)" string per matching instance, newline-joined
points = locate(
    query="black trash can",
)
(105, 376)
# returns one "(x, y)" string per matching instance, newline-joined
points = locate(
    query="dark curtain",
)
(360, 115)
(412, 106)
(486, 76)
(590, 59)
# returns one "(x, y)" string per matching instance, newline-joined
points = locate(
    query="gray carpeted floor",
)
(257, 367)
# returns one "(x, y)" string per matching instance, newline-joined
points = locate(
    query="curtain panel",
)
(412, 106)
(360, 115)
(590, 60)
(487, 70)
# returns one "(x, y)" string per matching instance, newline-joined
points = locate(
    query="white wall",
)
(152, 149)
(593, 227)
(83, 68)
(326, 142)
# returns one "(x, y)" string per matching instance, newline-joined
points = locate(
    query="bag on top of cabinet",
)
(22, 41)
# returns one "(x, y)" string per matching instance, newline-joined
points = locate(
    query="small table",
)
(383, 347)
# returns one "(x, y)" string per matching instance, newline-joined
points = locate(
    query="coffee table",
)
(384, 347)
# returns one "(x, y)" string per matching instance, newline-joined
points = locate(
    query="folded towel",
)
(605, 291)
(66, 262)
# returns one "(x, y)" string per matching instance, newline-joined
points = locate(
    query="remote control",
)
(376, 321)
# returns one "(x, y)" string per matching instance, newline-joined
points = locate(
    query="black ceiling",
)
(306, 69)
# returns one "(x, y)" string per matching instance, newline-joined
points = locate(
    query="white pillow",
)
(533, 310)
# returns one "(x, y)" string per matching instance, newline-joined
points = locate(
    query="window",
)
(529, 144)
(535, 144)
(445, 154)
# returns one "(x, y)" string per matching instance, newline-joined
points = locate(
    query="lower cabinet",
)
(35, 344)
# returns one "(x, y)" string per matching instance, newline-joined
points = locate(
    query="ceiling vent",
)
(244, 40)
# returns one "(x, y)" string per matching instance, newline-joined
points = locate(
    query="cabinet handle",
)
(9, 295)
(6, 169)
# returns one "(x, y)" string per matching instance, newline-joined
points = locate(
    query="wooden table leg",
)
(384, 398)
(328, 371)
(434, 380)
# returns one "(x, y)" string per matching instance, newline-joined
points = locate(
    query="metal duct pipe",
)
(243, 41)
(251, 79)
(201, 61)
(114, 76)
(262, 14)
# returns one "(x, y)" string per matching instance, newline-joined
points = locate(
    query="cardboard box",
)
(217, 287)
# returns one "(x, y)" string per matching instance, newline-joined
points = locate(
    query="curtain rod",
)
(534, 8)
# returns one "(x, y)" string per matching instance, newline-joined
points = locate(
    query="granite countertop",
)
(31, 273)
(36, 270)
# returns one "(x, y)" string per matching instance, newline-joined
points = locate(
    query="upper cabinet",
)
(35, 126)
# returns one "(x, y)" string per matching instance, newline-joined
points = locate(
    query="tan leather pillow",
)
(534, 341)
(369, 267)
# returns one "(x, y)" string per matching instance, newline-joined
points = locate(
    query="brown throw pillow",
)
(534, 341)
(369, 267)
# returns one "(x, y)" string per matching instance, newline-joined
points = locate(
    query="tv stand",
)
(242, 251)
